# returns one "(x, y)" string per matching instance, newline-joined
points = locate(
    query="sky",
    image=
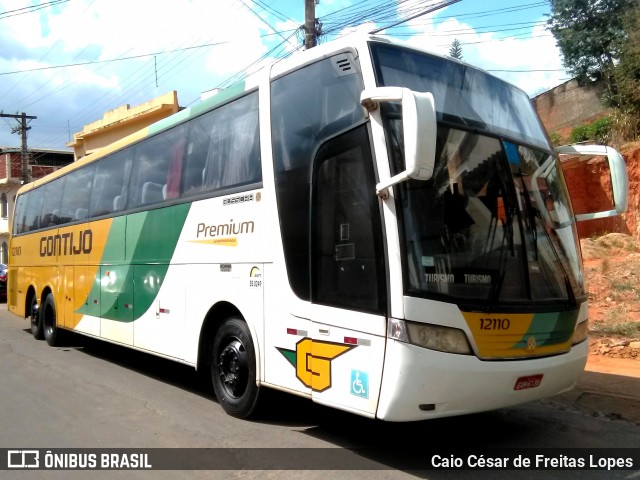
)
(67, 62)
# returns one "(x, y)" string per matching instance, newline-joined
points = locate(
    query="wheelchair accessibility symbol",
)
(359, 383)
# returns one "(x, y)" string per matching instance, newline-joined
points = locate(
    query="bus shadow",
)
(158, 368)
(363, 443)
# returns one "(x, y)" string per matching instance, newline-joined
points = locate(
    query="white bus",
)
(375, 227)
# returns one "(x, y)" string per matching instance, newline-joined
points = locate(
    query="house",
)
(122, 121)
(40, 162)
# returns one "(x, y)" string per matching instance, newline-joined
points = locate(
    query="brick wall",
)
(569, 105)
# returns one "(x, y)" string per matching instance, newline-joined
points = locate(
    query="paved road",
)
(91, 394)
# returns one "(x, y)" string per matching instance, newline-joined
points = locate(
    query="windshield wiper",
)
(494, 293)
(536, 219)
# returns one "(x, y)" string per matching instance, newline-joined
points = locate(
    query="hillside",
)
(612, 271)
(612, 274)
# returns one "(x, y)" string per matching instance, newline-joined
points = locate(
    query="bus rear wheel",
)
(233, 369)
(36, 322)
(49, 325)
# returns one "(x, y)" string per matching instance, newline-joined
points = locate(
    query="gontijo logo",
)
(312, 361)
(70, 243)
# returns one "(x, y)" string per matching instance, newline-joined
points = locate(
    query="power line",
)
(22, 130)
(380, 12)
(31, 9)
(419, 14)
(132, 57)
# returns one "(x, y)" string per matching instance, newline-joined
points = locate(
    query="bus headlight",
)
(433, 337)
(581, 332)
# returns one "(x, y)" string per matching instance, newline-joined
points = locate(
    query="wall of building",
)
(121, 122)
(569, 105)
(41, 163)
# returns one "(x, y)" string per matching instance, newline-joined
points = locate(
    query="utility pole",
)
(22, 129)
(310, 23)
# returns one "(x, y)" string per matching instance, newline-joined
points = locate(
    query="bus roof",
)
(276, 69)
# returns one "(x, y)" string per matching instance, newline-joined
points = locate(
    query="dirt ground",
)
(612, 275)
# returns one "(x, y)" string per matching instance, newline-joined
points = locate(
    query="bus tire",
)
(233, 369)
(49, 322)
(37, 329)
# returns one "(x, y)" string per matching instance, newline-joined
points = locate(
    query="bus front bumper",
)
(419, 384)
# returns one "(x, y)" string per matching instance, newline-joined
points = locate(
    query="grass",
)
(628, 330)
(622, 286)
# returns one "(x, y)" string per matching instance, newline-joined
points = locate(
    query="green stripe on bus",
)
(550, 328)
(151, 239)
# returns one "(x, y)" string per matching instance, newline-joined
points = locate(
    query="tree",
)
(456, 49)
(627, 76)
(590, 35)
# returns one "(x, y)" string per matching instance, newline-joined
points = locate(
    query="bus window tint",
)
(309, 106)
(33, 212)
(109, 191)
(224, 148)
(346, 242)
(75, 199)
(18, 215)
(157, 167)
(51, 205)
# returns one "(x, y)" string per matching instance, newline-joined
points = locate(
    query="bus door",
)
(347, 312)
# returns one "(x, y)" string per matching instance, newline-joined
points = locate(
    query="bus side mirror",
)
(419, 126)
(619, 178)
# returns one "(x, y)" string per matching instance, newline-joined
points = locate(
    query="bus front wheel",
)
(36, 322)
(48, 320)
(233, 369)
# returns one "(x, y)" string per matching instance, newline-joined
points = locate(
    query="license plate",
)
(531, 381)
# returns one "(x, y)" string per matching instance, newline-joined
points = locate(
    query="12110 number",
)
(495, 324)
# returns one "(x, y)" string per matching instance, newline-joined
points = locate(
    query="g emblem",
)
(531, 344)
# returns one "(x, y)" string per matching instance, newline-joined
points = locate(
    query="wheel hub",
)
(233, 368)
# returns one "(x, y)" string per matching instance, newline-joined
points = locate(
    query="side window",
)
(347, 235)
(109, 191)
(309, 106)
(19, 212)
(33, 209)
(157, 168)
(224, 148)
(51, 204)
(75, 201)
(4, 205)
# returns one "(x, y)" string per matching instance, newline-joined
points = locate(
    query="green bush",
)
(579, 134)
(601, 130)
(598, 131)
(556, 139)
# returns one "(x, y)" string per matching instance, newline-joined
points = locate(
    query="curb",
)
(608, 387)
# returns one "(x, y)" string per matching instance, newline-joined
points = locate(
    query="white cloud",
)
(81, 31)
(98, 31)
(490, 51)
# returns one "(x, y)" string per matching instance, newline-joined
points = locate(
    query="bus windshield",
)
(493, 227)
(464, 95)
